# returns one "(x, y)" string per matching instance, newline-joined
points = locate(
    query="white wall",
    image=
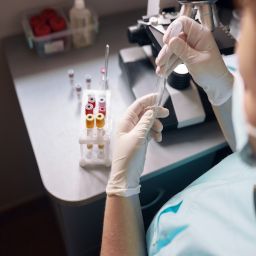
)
(19, 178)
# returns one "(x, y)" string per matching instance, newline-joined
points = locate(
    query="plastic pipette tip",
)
(106, 60)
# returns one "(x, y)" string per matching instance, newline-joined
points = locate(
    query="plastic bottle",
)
(80, 19)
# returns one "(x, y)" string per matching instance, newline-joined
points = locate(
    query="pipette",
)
(161, 81)
(106, 66)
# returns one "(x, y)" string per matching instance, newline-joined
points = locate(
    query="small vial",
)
(88, 82)
(91, 100)
(102, 102)
(102, 111)
(79, 92)
(89, 121)
(100, 120)
(100, 123)
(71, 75)
(104, 80)
(89, 125)
(88, 109)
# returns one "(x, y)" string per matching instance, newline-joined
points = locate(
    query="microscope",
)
(187, 102)
(207, 11)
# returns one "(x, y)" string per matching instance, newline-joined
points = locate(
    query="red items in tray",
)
(46, 22)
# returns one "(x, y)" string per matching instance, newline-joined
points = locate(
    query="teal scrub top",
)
(215, 215)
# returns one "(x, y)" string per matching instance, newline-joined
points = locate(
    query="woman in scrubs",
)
(215, 215)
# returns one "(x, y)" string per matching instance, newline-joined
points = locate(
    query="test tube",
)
(91, 100)
(88, 109)
(102, 102)
(106, 63)
(172, 31)
(89, 122)
(88, 82)
(79, 92)
(71, 75)
(103, 81)
(100, 123)
(102, 111)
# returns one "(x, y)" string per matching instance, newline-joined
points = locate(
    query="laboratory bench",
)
(52, 117)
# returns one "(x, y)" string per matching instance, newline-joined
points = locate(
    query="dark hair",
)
(229, 4)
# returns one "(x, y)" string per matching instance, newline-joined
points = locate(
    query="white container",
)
(95, 136)
(59, 41)
(49, 44)
(81, 21)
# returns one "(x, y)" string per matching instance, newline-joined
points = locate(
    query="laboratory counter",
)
(52, 113)
(52, 117)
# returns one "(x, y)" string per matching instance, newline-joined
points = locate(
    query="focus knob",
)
(179, 78)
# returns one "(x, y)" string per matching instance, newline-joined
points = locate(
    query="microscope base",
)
(187, 107)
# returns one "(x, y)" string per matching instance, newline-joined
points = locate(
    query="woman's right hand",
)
(197, 49)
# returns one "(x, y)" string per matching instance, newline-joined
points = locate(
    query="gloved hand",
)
(132, 136)
(197, 49)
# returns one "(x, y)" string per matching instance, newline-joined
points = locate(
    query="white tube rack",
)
(95, 136)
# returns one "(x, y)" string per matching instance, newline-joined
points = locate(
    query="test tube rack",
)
(95, 146)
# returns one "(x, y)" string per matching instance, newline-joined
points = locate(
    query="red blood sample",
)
(35, 21)
(102, 111)
(88, 109)
(42, 30)
(57, 23)
(91, 100)
(48, 13)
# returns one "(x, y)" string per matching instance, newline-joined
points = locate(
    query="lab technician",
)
(215, 215)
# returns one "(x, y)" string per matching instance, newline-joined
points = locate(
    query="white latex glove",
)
(197, 49)
(131, 140)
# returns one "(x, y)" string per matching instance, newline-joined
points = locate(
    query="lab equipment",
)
(89, 109)
(103, 84)
(89, 126)
(100, 120)
(180, 78)
(162, 80)
(217, 81)
(79, 92)
(81, 18)
(88, 82)
(71, 76)
(138, 63)
(207, 11)
(95, 143)
(106, 66)
(47, 30)
(165, 12)
(102, 110)
(102, 102)
(89, 122)
(97, 102)
(100, 123)
(91, 100)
